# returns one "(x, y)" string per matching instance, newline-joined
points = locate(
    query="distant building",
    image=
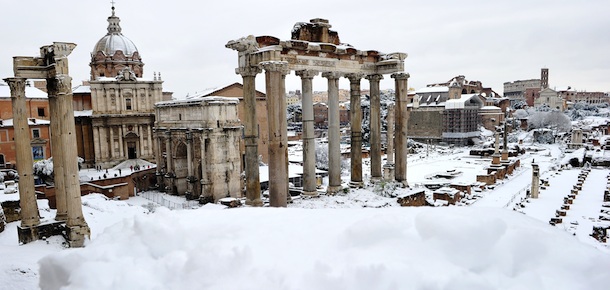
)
(549, 97)
(320, 115)
(526, 90)
(38, 121)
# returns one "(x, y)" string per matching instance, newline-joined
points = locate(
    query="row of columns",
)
(275, 73)
(64, 151)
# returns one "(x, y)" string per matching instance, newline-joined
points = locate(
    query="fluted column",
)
(309, 143)
(388, 168)
(57, 151)
(23, 150)
(375, 123)
(401, 80)
(189, 161)
(276, 118)
(356, 129)
(77, 227)
(334, 150)
(253, 188)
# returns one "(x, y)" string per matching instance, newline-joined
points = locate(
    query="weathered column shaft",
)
(276, 118)
(334, 137)
(253, 188)
(356, 130)
(535, 180)
(96, 145)
(23, 151)
(70, 157)
(401, 127)
(375, 123)
(189, 161)
(390, 135)
(309, 143)
(204, 168)
(168, 151)
(57, 151)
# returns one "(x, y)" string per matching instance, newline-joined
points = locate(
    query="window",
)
(40, 112)
(128, 104)
(37, 153)
(35, 133)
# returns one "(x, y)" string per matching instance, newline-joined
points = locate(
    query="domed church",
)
(122, 100)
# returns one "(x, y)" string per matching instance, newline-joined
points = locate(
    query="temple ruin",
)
(52, 65)
(314, 49)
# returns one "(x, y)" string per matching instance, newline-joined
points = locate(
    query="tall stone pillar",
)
(204, 171)
(189, 162)
(535, 180)
(57, 151)
(121, 143)
(505, 137)
(149, 151)
(23, 150)
(356, 129)
(169, 161)
(111, 143)
(96, 145)
(401, 127)
(76, 227)
(334, 150)
(496, 156)
(309, 142)
(278, 140)
(253, 188)
(388, 168)
(375, 123)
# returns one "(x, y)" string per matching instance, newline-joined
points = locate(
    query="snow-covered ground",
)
(358, 240)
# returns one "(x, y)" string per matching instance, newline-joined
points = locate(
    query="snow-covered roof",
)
(490, 108)
(436, 89)
(31, 122)
(82, 89)
(459, 103)
(30, 92)
(194, 100)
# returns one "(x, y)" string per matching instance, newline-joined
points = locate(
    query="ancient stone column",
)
(334, 150)
(204, 169)
(535, 180)
(505, 137)
(76, 227)
(401, 127)
(23, 151)
(309, 142)
(496, 156)
(189, 162)
(356, 129)
(375, 123)
(253, 188)
(57, 151)
(388, 168)
(169, 162)
(278, 139)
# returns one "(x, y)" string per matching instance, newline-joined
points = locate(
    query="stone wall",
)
(425, 124)
(416, 199)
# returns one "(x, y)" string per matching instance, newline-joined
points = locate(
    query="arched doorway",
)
(131, 142)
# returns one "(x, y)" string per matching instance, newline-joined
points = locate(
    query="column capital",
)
(60, 84)
(374, 77)
(332, 75)
(250, 71)
(354, 77)
(275, 66)
(17, 86)
(306, 74)
(401, 76)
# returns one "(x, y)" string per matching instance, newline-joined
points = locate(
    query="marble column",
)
(505, 137)
(278, 140)
(111, 142)
(57, 151)
(375, 124)
(23, 150)
(388, 168)
(334, 149)
(149, 143)
(253, 188)
(77, 229)
(496, 156)
(356, 130)
(204, 170)
(535, 180)
(169, 172)
(96, 145)
(189, 162)
(121, 143)
(400, 173)
(309, 142)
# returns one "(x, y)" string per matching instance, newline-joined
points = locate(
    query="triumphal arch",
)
(52, 66)
(314, 49)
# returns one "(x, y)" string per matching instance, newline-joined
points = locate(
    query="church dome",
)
(114, 40)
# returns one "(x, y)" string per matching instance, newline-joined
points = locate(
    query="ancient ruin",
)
(52, 65)
(200, 157)
(313, 49)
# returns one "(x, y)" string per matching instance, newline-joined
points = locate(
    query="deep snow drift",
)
(289, 248)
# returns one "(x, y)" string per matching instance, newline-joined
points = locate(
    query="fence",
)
(162, 200)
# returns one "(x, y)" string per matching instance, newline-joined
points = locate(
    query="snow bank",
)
(390, 248)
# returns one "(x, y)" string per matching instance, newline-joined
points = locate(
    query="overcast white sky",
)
(490, 41)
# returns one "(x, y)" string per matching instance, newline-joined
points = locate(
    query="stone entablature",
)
(198, 154)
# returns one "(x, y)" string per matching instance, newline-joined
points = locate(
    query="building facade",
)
(199, 154)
